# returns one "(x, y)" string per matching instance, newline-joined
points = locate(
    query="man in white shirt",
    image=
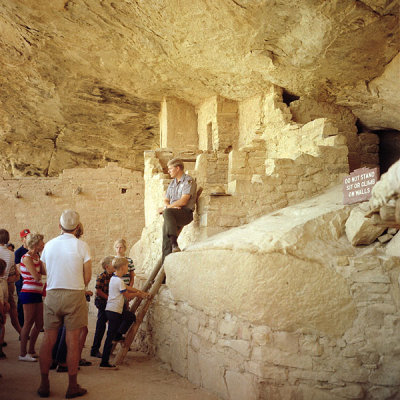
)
(69, 269)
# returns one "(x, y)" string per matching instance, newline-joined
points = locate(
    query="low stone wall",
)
(254, 184)
(259, 185)
(283, 308)
(109, 201)
(250, 183)
(307, 109)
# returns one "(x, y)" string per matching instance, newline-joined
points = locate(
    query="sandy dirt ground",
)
(139, 377)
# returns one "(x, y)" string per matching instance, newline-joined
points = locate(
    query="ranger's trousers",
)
(174, 218)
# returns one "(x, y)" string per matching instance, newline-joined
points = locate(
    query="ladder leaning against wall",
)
(152, 286)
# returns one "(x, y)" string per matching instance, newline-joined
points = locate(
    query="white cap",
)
(69, 220)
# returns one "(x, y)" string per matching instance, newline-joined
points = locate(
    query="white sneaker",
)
(34, 355)
(27, 357)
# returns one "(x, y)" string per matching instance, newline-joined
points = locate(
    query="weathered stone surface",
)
(241, 332)
(388, 374)
(81, 81)
(369, 100)
(241, 386)
(381, 392)
(385, 238)
(361, 230)
(105, 194)
(270, 284)
(240, 346)
(393, 247)
(212, 374)
(278, 357)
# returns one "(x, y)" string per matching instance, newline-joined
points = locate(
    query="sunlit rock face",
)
(81, 81)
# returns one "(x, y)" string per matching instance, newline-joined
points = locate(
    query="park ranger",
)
(179, 204)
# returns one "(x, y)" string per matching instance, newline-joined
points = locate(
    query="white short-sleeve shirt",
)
(64, 257)
(115, 300)
(8, 257)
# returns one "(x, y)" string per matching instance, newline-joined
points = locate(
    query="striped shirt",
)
(30, 285)
(127, 277)
(8, 257)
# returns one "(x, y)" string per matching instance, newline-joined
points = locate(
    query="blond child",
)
(118, 321)
(120, 248)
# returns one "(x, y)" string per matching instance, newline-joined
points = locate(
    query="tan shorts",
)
(65, 307)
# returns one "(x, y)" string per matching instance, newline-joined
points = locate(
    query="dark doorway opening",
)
(288, 97)
(389, 148)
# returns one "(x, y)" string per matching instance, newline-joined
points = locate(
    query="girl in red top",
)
(30, 296)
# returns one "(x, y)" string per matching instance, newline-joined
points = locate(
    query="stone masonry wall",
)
(109, 201)
(251, 125)
(253, 184)
(307, 109)
(207, 127)
(228, 125)
(259, 185)
(218, 124)
(178, 123)
(243, 361)
(347, 353)
(264, 116)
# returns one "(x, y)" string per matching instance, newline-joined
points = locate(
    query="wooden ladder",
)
(152, 286)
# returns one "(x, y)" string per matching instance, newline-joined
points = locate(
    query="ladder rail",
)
(132, 331)
(136, 303)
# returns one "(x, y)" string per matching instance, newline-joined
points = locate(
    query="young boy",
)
(117, 291)
(102, 283)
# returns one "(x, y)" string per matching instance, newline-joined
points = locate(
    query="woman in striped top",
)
(30, 296)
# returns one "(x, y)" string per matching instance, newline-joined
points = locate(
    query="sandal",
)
(79, 392)
(43, 392)
(84, 363)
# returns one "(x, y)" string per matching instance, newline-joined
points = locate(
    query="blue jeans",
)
(117, 323)
(100, 326)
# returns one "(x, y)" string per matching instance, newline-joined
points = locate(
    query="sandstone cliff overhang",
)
(81, 81)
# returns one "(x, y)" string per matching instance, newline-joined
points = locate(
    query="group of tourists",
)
(66, 263)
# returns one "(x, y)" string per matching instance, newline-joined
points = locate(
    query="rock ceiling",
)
(81, 80)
